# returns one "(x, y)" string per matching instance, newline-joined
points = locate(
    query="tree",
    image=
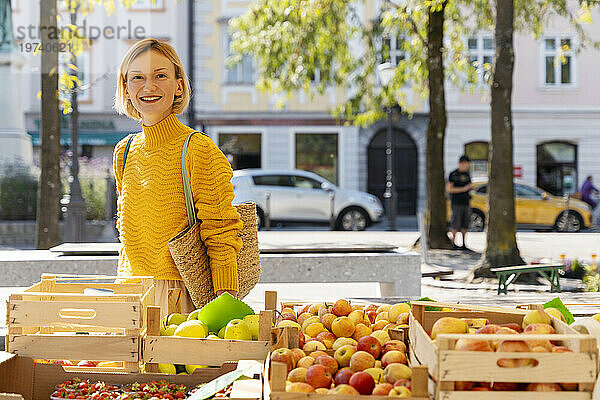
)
(55, 83)
(501, 241)
(501, 245)
(435, 214)
(49, 189)
(290, 39)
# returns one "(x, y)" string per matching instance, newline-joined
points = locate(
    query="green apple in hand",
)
(252, 321)
(237, 329)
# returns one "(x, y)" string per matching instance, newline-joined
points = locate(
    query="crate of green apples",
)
(217, 333)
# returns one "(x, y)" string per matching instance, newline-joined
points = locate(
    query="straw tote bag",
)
(190, 253)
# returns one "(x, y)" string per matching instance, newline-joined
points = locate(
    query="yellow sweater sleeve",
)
(123, 268)
(210, 177)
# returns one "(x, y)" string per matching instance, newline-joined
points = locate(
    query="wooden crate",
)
(212, 352)
(275, 376)
(33, 381)
(446, 366)
(44, 321)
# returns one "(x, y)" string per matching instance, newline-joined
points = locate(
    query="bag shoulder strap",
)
(131, 137)
(187, 188)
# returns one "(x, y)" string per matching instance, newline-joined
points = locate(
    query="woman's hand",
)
(231, 292)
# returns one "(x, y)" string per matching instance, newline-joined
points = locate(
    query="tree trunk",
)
(501, 246)
(49, 189)
(435, 214)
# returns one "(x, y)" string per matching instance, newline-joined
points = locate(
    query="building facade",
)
(556, 106)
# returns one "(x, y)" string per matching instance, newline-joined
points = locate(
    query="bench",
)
(507, 275)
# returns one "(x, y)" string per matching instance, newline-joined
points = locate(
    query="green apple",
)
(170, 330)
(191, 368)
(213, 336)
(237, 329)
(166, 369)
(163, 330)
(193, 329)
(252, 321)
(176, 319)
(193, 315)
(221, 333)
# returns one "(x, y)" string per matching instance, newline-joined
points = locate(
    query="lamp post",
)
(75, 203)
(386, 72)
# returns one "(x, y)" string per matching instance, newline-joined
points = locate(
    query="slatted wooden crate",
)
(276, 375)
(211, 352)
(447, 366)
(58, 318)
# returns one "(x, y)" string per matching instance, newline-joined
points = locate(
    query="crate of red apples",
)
(477, 352)
(344, 350)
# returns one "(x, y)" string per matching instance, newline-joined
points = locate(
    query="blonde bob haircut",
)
(122, 104)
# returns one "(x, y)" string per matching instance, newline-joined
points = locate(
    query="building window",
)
(240, 73)
(481, 56)
(243, 150)
(558, 61)
(153, 5)
(318, 153)
(392, 49)
(478, 152)
(557, 167)
(83, 65)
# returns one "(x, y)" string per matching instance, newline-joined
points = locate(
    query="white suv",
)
(296, 195)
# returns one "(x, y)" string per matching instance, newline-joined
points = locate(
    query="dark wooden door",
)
(404, 172)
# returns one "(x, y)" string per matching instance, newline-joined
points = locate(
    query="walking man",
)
(458, 186)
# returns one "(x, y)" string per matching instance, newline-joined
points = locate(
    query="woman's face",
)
(151, 86)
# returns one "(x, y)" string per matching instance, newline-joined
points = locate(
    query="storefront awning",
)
(96, 138)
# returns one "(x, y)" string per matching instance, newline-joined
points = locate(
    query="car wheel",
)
(260, 218)
(352, 219)
(568, 222)
(477, 223)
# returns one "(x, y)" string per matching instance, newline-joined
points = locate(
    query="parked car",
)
(296, 195)
(534, 209)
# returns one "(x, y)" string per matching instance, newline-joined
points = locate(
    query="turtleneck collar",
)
(163, 131)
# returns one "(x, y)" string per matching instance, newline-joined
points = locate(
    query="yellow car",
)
(534, 209)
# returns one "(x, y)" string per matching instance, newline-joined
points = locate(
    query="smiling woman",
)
(151, 209)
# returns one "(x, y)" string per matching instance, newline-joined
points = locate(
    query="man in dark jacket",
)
(458, 186)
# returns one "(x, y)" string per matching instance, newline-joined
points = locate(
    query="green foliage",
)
(290, 38)
(18, 192)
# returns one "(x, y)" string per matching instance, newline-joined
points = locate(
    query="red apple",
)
(341, 308)
(305, 362)
(382, 389)
(318, 376)
(514, 346)
(403, 382)
(328, 362)
(86, 363)
(343, 376)
(298, 354)
(369, 344)
(372, 315)
(505, 386)
(396, 371)
(489, 329)
(297, 375)
(327, 338)
(514, 326)
(394, 345)
(392, 357)
(361, 360)
(300, 387)
(343, 389)
(472, 345)
(318, 353)
(287, 316)
(363, 382)
(285, 356)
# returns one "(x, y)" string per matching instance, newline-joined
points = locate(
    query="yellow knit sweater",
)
(151, 206)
